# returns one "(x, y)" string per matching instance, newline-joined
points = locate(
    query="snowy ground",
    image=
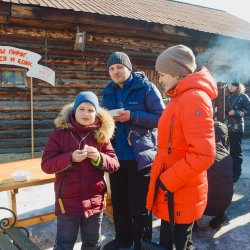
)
(40, 199)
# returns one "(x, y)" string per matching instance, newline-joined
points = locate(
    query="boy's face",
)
(85, 114)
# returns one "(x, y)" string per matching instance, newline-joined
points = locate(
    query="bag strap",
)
(170, 209)
(171, 214)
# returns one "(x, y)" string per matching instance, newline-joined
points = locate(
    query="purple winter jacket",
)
(80, 185)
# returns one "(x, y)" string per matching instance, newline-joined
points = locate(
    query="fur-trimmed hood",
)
(240, 90)
(101, 135)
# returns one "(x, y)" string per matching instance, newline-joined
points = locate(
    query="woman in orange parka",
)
(186, 144)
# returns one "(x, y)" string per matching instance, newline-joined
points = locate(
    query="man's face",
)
(119, 74)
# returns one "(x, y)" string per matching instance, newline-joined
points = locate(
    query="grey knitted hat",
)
(178, 60)
(119, 58)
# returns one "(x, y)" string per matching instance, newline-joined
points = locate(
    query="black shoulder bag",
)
(148, 245)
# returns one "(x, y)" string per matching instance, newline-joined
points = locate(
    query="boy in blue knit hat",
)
(78, 152)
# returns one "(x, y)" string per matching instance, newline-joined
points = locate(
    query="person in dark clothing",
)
(135, 146)
(237, 106)
(220, 183)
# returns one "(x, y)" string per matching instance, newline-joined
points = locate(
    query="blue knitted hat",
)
(86, 96)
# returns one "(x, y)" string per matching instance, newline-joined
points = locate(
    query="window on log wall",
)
(13, 77)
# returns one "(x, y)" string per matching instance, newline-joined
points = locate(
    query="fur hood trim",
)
(240, 90)
(101, 135)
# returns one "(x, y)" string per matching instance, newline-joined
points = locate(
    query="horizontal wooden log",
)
(19, 143)
(3, 19)
(64, 86)
(70, 91)
(83, 75)
(26, 115)
(25, 124)
(73, 68)
(21, 150)
(15, 91)
(89, 18)
(13, 40)
(37, 106)
(44, 24)
(158, 31)
(62, 98)
(35, 31)
(13, 97)
(5, 135)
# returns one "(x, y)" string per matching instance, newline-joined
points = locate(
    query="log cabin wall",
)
(76, 71)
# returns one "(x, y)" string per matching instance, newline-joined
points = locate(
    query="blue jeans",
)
(68, 227)
(129, 189)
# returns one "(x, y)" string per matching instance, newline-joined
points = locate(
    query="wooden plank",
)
(25, 124)
(20, 239)
(19, 152)
(6, 244)
(156, 31)
(89, 18)
(26, 115)
(21, 133)
(25, 106)
(36, 219)
(22, 142)
(15, 39)
(65, 98)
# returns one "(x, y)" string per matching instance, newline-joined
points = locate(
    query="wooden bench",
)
(12, 237)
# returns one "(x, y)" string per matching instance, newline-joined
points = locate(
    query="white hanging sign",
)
(27, 59)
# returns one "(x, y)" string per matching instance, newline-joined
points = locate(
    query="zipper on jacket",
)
(165, 195)
(170, 136)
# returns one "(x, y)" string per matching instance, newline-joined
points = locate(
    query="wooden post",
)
(31, 118)
(221, 101)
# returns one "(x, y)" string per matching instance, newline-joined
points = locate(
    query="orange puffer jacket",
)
(186, 148)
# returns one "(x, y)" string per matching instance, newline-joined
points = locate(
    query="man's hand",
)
(92, 153)
(231, 112)
(78, 155)
(123, 116)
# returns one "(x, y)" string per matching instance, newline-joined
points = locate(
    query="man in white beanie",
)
(135, 146)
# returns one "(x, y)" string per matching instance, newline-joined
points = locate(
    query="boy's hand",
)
(92, 153)
(78, 155)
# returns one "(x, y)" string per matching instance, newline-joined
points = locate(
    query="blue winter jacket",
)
(144, 101)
